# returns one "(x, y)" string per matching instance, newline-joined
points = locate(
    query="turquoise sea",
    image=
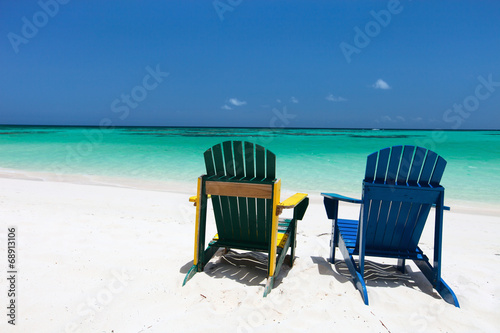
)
(308, 160)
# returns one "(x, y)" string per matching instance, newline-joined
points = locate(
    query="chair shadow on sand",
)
(378, 275)
(246, 267)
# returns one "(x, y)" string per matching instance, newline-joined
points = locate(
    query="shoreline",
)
(189, 188)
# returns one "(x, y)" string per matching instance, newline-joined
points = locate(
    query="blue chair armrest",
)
(444, 207)
(335, 196)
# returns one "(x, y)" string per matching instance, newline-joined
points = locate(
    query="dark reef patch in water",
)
(385, 136)
(28, 132)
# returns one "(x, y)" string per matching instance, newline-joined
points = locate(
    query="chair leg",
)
(359, 282)
(192, 271)
(332, 207)
(446, 293)
(401, 266)
(357, 276)
(269, 285)
(293, 236)
(437, 282)
(334, 243)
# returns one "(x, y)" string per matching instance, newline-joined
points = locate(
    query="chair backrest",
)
(240, 178)
(405, 165)
(400, 186)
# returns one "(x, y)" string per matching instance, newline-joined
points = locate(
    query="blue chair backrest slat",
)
(371, 166)
(427, 169)
(419, 226)
(383, 160)
(392, 170)
(412, 223)
(416, 166)
(400, 224)
(405, 164)
(382, 223)
(391, 224)
(371, 226)
(438, 171)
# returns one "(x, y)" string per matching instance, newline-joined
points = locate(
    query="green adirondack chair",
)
(241, 182)
(401, 185)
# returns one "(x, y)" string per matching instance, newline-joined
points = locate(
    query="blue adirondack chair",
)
(401, 185)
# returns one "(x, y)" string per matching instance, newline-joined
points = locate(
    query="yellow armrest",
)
(293, 201)
(195, 197)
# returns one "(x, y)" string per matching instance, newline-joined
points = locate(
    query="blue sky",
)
(333, 64)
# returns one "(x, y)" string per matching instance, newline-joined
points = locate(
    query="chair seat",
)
(348, 230)
(284, 229)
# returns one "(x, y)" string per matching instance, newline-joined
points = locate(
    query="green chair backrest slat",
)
(209, 162)
(238, 159)
(229, 162)
(271, 166)
(260, 162)
(249, 160)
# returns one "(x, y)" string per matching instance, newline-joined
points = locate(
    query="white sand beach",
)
(94, 258)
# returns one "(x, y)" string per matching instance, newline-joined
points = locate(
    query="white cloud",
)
(226, 107)
(388, 119)
(278, 100)
(332, 98)
(381, 84)
(294, 100)
(236, 102)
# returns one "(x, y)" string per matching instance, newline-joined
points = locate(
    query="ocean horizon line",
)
(258, 128)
